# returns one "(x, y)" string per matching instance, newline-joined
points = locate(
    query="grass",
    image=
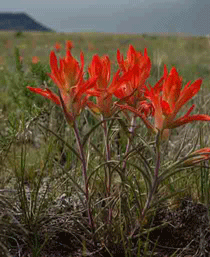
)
(43, 210)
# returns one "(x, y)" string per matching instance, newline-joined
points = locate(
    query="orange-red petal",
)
(47, 93)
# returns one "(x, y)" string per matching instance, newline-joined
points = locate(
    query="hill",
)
(20, 22)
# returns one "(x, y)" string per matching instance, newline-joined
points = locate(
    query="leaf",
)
(101, 165)
(125, 127)
(145, 174)
(60, 138)
(170, 173)
(181, 146)
(87, 135)
(142, 159)
(137, 198)
(163, 199)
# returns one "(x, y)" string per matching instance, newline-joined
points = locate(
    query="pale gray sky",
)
(134, 16)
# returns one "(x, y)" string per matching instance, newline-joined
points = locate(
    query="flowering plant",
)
(128, 91)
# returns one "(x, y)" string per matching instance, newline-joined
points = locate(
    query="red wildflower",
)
(198, 156)
(20, 59)
(167, 98)
(104, 89)
(35, 59)
(69, 45)
(172, 99)
(57, 47)
(139, 66)
(133, 58)
(73, 90)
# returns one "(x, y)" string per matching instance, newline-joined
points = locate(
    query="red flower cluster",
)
(73, 89)
(128, 85)
(35, 59)
(57, 47)
(197, 156)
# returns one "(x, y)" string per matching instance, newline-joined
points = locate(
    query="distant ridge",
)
(20, 22)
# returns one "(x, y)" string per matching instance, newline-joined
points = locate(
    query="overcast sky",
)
(120, 16)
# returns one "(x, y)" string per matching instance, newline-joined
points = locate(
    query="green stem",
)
(132, 127)
(108, 172)
(84, 173)
(155, 182)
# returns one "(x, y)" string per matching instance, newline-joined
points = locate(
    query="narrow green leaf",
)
(60, 138)
(145, 174)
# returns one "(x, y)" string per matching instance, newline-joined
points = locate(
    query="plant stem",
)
(132, 127)
(155, 183)
(84, 173)
(108, 172)
(108, 154)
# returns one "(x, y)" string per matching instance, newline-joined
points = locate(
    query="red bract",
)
(57, 47)
(35, 59)
(133, 58)
(168, 103)
(104, 89)
(198, 156)
(203, 152)
(167, 98)
(139, 66)
(69, 45)
(73, 90)
(100, 67)
(47, 93)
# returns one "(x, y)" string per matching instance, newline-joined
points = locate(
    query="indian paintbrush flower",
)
(139, 65)
(169, 102)
(134, 58)
(198, 156)
(57, 47)
(35, 59)
(127, 82)
(100, 67)
(167, 98)
(73, 89)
